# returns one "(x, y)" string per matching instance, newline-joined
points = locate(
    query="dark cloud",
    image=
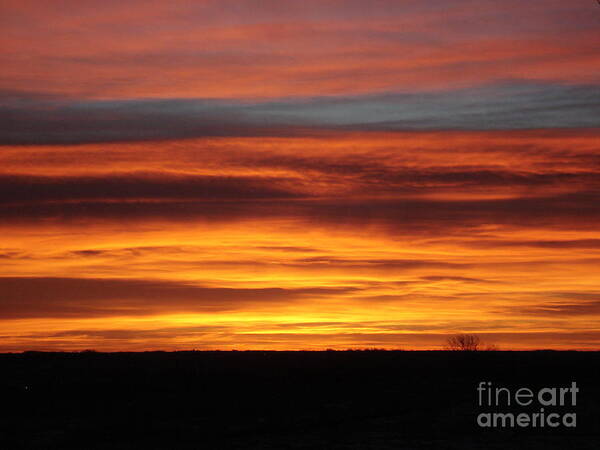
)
(449, 278)
(356, 181)
(26, 297)
(39, 119)
(24, 189)
(90, 252)
(427, 217)
(72, 122)
(556, 309)
(545, 244)
(129, 251)
(511, 104)
(402, 264)
(562, 304)
(290, 249)
(371, 174)
(12, 254)
(126, 335)
(455, 220)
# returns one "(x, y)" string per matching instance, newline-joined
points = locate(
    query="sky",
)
(268, 174)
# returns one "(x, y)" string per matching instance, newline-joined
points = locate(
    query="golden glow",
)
(232, 174)
(345, 280)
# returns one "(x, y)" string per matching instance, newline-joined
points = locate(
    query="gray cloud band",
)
(29, 118)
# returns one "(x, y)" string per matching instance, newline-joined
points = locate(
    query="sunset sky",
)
(220, 174)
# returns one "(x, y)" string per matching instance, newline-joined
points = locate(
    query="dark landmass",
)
(284, 400)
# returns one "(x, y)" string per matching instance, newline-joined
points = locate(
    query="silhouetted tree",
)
(464, 342)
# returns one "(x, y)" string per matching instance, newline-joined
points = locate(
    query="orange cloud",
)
(389, 239)
(199, 50)
(298, 175)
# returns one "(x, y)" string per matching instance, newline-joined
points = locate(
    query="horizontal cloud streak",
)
(421, 217)
(373, 182)
(271, 49)
(27, 189)
(77, 297)
(32, 120)
(284, 174)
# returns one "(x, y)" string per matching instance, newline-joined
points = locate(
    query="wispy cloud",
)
(284, 174)
(37, 120)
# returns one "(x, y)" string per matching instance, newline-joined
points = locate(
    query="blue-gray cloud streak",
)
(40, 119)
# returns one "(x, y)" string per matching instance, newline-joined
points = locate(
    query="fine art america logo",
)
(547, 407)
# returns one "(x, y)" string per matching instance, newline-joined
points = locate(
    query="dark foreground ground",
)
(284, 400)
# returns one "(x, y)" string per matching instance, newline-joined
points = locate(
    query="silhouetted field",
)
(283, 400)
